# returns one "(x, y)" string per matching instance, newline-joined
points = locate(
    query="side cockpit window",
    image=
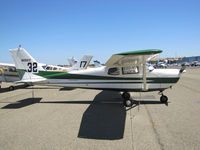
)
(113, 71)
(130, 70)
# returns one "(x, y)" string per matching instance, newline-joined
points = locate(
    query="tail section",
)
(24, 61)
(72, 61)
(26, 65)
(83, 63)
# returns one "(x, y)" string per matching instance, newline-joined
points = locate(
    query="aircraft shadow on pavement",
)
(105, 117)
(149, 102)
(3, 90)
(32, 87)
(67, 89)
(146, 102)
(104, 120)
(22, 103)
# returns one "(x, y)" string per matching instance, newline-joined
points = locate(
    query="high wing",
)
(131, 58)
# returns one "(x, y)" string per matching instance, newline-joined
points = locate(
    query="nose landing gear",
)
(127, 101)
(163, 98)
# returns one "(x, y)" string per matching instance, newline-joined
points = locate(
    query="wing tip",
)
(141, 52)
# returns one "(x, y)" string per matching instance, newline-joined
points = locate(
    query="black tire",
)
(163, 99)
(128, 103)
(126, 95)
(11, 88)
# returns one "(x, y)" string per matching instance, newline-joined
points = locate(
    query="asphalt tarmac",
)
(45, 118)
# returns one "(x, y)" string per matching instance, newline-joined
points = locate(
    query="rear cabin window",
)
(130, 70)
(49, 68)
(43, 67)
(113, 71)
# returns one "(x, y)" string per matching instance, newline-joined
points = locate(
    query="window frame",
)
(135, 67)
(117, 72)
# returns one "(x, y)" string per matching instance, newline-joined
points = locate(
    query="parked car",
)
(185, 64)
(197, 64)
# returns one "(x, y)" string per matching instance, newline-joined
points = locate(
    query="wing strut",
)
(144, 73)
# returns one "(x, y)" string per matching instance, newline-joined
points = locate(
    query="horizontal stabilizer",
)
(32, 81)
(31, 78)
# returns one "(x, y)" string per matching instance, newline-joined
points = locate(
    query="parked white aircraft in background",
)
(124, 72)
(72, 61)
(97, 64)
(80, 65)
(8, 73)
(75, 65)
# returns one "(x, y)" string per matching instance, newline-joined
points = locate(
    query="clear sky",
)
(53, 30)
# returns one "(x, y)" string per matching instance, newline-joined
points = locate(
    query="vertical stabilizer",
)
(83, 63)
(72, 61)
(24, 62)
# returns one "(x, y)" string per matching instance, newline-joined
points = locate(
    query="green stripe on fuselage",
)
(162, 80)
(65, 75)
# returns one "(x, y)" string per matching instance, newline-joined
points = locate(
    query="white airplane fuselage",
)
(8, 73)
(98, 78)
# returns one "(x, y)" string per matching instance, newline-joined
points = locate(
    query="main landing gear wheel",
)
(11, 88)
(126, 95)
(127, 101)
(163, 99)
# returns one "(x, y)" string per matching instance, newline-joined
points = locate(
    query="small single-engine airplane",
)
(125, 72)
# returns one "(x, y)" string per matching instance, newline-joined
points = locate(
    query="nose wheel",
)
(127, 101)
(163, 98)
